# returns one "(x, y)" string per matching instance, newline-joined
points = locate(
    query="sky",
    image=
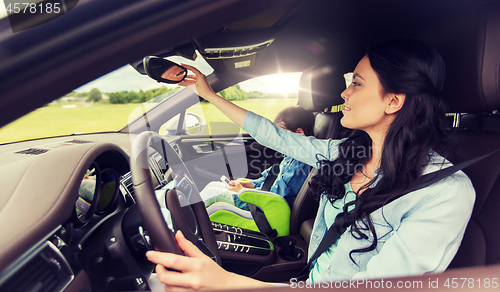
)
(277, 83)
(3, 13)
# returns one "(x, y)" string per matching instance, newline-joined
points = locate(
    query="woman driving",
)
(393, 106)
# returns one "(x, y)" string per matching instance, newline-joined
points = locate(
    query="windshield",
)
(110, 102)
(266, 95)
(104, 105)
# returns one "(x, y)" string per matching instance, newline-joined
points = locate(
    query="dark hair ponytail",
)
(407, 67)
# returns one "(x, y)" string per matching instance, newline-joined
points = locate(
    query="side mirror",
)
(163, 70)
(193, 125)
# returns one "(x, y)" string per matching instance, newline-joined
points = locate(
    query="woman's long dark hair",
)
(407, 67)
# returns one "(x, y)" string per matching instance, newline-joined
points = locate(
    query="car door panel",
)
(208, 158)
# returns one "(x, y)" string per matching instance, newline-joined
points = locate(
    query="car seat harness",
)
(258, 215)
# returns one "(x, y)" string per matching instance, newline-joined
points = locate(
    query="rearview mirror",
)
(163, 70)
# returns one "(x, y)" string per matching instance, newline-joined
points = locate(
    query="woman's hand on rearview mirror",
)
(203, 89)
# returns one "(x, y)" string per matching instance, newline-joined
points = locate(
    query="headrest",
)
(320, 87)
(470, 46)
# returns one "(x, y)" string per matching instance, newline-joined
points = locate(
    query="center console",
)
(236, 240)
(256, 255)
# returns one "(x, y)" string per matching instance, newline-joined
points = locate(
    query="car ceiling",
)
(104, 35)
(337, 32)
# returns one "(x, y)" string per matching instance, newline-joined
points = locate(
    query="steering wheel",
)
(184, 202)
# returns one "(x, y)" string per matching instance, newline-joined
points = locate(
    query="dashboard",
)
(74, 224)
(78, 215)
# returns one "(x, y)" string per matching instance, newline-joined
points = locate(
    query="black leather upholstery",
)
(304, 207)
(470, 46)
(481, 243)
(319, 89)
(327, 125)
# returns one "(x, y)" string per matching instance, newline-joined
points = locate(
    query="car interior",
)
(79, 212)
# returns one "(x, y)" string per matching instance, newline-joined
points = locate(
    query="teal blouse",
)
(331, 211)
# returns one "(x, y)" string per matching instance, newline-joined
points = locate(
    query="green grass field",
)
(54, 120)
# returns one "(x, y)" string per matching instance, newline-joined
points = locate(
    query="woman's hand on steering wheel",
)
(196, 271)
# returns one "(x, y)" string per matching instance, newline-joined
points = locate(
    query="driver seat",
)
(319, 91)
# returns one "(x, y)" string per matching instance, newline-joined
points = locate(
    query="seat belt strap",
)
(258, 215)
(433, 177)
(261, 221)
(272, 174)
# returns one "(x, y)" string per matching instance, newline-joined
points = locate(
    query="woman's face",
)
(365, 100)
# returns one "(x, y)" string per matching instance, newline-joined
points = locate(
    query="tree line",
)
(123, 97)
(231, 93)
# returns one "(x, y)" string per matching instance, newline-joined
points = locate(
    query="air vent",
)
(127, 188)
(79, 142)
(130, 187)
(47, 271)
(33, 151)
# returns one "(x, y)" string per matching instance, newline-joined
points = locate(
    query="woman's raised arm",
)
(232, 111)
(300, 147)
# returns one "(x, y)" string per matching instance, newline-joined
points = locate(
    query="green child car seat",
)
(273, 213)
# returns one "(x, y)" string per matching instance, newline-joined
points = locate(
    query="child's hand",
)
(235, 186)
(246, 184)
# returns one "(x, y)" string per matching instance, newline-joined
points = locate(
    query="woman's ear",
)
(396, 102)
(300, 131)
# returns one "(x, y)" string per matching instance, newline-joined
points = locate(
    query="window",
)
(105, 104)
(266, 95)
